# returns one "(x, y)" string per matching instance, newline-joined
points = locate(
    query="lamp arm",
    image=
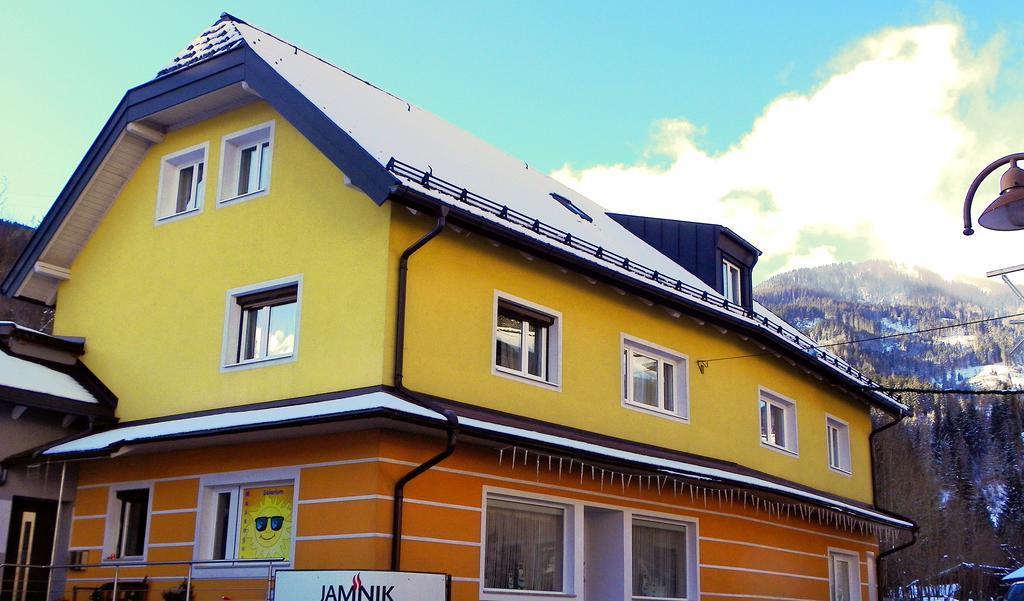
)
(1017, 156)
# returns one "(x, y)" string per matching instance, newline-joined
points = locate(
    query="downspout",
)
(874, 498)
(453, 421)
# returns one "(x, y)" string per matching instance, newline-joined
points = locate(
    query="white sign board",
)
(362, 585)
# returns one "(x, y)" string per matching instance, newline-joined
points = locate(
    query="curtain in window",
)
(524, 546)
(645, 379)
(659, 560)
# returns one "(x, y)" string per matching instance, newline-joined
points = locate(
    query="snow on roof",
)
(254, 418)
(221, 37)
(211, 424)
(388, 127)
(1015, 575)
(26, 375)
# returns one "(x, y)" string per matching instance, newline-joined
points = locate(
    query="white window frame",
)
(233, 321)
(572, 540)
(574, 547)
(209, 486)
(855, 584)
(230, 154)
(113, 524)
(167, 185)
(733, 296)
(792, 433)
(843, 452)
(552, 352)
(692, 550)
(681, 387)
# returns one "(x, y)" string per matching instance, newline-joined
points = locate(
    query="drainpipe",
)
(452, 419)
(874, 498)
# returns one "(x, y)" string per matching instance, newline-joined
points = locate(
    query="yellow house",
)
(345, 334)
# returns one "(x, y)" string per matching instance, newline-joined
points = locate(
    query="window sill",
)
(255, 363)
(123, 560)
(242, 197)
(525, 379)
(179, 216)
(778, 449)
(656, 412)
(841, 471)
(499, 594)
(213, 570)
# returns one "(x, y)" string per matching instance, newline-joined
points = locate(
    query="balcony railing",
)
(195, 580)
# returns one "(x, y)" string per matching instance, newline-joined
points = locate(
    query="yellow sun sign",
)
(266, 528)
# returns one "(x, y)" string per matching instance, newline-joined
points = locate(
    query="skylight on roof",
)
(565, 202)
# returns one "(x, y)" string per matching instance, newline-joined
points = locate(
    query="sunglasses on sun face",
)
(275, 523)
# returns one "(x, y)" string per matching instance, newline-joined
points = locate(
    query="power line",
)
(874, 338)
(963, 391)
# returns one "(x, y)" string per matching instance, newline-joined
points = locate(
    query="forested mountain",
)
(956, 465)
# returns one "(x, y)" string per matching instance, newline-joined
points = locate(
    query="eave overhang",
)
(418, 200)
(479, 425)
(206, 88)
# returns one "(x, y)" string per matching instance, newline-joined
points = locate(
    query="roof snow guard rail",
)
(428, 180)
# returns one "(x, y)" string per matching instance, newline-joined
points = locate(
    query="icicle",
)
(549, 463)
(501, 455)
(592, 470)
(602, 479)
(538, 468)
(705, 497)
(622, 480)
(691, 492)
(675, 484)
(581, 473)
(559, 469)
(630, 480)
(659, 486)
(570, 464)
(526, 453)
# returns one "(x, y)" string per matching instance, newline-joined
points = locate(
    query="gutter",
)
(421, 201)
(452, 426)
(874, 499)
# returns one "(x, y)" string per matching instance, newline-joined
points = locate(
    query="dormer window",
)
(732, 282)
(245, 163)
(182, 183)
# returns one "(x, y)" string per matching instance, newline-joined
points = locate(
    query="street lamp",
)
(1006, 212)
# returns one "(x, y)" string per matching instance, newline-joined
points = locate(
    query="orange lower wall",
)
(343, 518)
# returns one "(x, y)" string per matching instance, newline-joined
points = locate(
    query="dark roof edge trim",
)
(399, 415)
(419, 200)
(137, 103)
(235, 66)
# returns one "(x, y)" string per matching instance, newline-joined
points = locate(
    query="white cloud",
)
(871, 163)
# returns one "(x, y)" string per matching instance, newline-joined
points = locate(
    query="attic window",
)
(245, 163)
(565, 202)
(181, 183)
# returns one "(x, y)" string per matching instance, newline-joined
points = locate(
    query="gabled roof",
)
(391, 150)
(43, 371)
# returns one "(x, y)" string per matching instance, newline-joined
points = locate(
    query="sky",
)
(820, 132)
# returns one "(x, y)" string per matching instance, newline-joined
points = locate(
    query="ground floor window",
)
(525, 546)
(659, 560)
(844, 576)
(547, 545)
(249, 521)
(127, 523)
